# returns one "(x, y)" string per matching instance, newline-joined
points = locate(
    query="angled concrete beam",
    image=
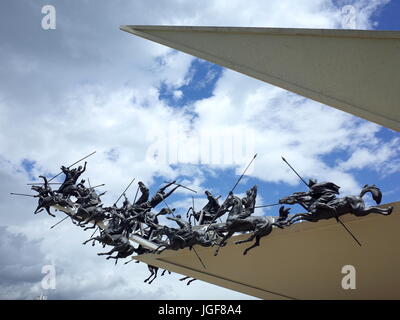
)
(356, 71)
(303, 261)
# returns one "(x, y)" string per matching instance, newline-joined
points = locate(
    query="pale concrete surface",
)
(303, 261)
(356, 71)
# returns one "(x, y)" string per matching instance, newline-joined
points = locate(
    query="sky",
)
(146, 109)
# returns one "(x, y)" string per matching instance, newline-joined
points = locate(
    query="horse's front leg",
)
(155, 276)
(223, 242)
(246, 240)
(37, 209)
(48, 211)
(92, 227)
(108, 253)
(152, 270)
(165, 270)
(255, 244)
(297, 217)
(95, 238)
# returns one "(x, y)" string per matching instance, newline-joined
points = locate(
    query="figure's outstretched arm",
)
(169, 193)
(166, 186)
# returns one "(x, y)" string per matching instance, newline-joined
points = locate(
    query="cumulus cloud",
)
(20, 265)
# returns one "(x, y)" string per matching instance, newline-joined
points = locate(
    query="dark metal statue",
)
(238, 221)
(249, 202)
(48, 198)
(209, 212)
(71, 177)
(190, 280)
(181, 238)
(332, 207)
(136, 220)
(159, 196)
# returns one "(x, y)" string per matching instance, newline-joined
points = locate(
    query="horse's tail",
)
(375, 192)
(44, 179)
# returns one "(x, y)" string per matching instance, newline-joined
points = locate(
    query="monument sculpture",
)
(120, 227)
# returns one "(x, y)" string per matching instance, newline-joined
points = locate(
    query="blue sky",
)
(387, 18)
(199, 83)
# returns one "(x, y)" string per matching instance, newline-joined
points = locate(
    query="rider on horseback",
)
(71, 177)
(249, 202)
(209, 211)
(159, 196)
(321, 194)
(145, 193)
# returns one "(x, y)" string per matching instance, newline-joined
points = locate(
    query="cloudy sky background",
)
(88, 86)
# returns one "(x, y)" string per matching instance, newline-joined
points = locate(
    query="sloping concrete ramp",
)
(356, 71)
(303, 261)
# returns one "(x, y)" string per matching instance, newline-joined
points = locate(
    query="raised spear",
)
(59, 222)
(99, 185)
(23, 194)
(337, 218)
(38, 183)
(124, 191)
(237, 182)
(182, 186)
(73, 164)
(295, 171)
(137, 191)
(201, 261)
(267, 205)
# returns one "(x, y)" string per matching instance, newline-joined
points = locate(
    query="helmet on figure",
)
(312, 182)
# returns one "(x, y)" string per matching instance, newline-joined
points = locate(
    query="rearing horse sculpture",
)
(238, 222)
(349, 204)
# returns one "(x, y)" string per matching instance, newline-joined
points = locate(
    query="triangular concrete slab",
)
(356, 71)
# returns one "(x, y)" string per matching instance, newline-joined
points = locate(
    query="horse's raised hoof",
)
(390, 210)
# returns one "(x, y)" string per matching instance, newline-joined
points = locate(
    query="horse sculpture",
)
(237, 221)
(180, 239)
(122, 247)
(337, 207)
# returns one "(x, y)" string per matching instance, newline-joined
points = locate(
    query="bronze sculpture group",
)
(118, 224)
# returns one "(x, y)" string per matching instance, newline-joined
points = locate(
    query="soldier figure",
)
(249, 202)
(71, 176)
(159, 196)
(209, 211)
(145, 193)
(321, 194)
